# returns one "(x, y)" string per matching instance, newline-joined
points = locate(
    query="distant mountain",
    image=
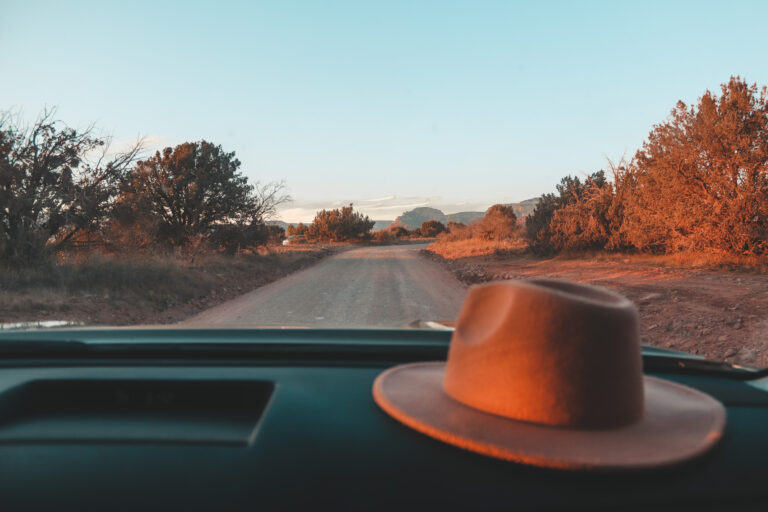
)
(525, 208)
(464, 217)
(280, 223)
(413, 219)
(381, 224)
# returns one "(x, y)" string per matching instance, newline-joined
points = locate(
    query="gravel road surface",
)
(386, 286)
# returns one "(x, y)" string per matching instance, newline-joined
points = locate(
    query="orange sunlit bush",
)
(497, 232)
(339, 225)
(698, 184)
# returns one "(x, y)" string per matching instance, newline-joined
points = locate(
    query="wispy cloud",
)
(399, 207)
(378, 199)
(149, 143)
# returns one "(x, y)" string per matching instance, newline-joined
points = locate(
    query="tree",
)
(383, 236)
(298, 229)
(537, 224)
(187, 190)
(543, 236)
(454, 226)
(230, 238)
(498, 223)
(275, 234)
(341, 224)
(55, 182)
(431, 228)
(584, 219)
(398, 231)
(504, 211)
(700, 181)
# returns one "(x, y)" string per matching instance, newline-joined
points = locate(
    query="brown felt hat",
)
(549, 372)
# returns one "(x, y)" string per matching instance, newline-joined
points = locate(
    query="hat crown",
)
(548, 351)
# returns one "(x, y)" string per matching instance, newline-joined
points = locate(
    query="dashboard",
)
(171, 419)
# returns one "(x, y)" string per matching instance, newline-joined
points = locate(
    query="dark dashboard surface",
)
(140, 430)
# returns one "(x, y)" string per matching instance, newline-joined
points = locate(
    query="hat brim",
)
(679, 424)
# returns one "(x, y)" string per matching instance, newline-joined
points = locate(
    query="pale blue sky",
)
(434, 102)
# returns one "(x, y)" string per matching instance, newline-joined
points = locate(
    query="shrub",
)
(230, 238)
(700, 181)
(584, 221)
(383, 235)
(547, 234)
(399, 232)
(453, 226)
(341, 224)
(431, 228)
(698, 184)
(537, 224)
(299, 229)
(498, 232)
(55, 185)
(187, 190)
(499, 222)
(275, 234)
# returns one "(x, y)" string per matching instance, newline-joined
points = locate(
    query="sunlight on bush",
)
(498, 232)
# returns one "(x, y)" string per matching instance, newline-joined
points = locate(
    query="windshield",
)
(348, 164)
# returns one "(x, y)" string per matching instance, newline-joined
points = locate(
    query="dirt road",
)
(389, 286)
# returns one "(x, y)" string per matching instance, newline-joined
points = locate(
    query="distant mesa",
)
(413, 219)
(525, 208)
(381, 224)
(280, 223)
(464, 217)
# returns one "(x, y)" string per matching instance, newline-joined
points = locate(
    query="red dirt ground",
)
(721, 315)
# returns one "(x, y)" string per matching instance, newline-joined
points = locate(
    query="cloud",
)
(296, 214)
(400, 207)
(378, 199)
(150, 144)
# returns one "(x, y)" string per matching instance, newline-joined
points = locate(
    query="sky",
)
(389, 104)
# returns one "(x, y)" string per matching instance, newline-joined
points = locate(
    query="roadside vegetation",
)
(62, 192)
(156, 289)
(698, 185)
(498, 232)
(94, 235)
(696, 191)
(428, 231)
(339, 225)
(660, 228)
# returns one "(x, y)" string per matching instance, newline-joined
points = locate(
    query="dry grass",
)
(686, 260)
(120, 291)
(702, 304)
(499, 232)
(454, 249)
(99, 274)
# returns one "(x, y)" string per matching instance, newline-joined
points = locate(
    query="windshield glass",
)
(355, 164)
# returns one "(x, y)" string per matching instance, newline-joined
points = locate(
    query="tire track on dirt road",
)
(384, 286)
